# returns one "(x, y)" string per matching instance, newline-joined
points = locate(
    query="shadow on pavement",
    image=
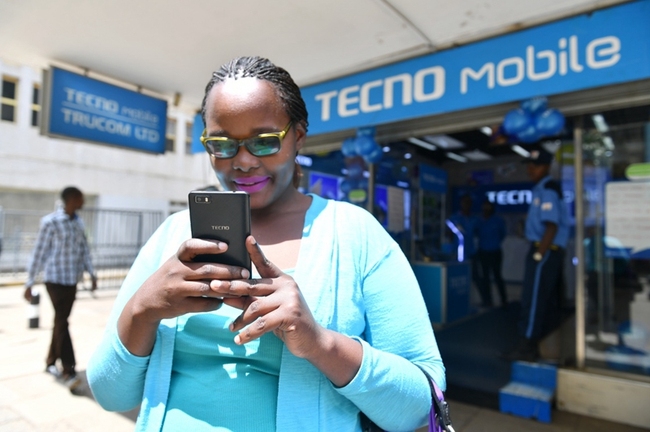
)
(84, 390)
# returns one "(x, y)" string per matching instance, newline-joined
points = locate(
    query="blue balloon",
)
(549, 122)
(516, 120)
(534, 105)
(365, 145)
(348, 148)
(375, 156)
(528, 135)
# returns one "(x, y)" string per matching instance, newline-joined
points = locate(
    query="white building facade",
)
(34, 167)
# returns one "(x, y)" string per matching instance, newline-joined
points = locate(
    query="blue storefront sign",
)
(605, 47)
(83, 108)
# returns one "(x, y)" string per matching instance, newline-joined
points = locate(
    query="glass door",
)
(616, 239)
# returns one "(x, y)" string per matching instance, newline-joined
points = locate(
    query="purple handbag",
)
(439, 419)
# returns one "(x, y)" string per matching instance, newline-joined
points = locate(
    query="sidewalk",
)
(31, 400)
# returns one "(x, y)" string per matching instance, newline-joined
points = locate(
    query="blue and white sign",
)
(605, 47)
(432, 179)
(86, 109)
(197, 131)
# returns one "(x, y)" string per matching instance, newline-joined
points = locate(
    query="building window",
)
(170, 135)
(188, 137)
(36, 106)
(9, 101)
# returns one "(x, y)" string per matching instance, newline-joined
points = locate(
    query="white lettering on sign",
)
(91, 101)
(103, 124)
(510, 197)
(429, 84)
(425, 85)
(541, 65)
(146, 134)
(138, 114)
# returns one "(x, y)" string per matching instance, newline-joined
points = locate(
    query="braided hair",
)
(262, 68)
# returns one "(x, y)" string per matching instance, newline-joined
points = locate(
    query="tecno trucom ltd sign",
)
(82, 108)
(605, 47)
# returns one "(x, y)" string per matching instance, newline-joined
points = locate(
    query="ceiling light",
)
(520, 150)
(487, 130)
(476, 155)
(444, 141)
(456, 157)
(423, 144)
(600, 123)
(385, 149)
(408, 155)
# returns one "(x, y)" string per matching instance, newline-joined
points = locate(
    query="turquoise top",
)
(208, 365)
(355, 280)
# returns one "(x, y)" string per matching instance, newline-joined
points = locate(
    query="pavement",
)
(31, 400)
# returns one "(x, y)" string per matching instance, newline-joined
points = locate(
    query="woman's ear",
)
(301, 136)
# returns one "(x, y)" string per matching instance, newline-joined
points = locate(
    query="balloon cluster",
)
(532, 121)
(363, 145)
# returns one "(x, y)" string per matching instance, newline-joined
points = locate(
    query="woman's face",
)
(243, 108)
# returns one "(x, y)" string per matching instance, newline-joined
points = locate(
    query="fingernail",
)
(237, 340)
(254, 241)
(245, 274)
(222, 246)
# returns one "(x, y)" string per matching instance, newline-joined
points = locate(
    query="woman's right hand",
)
(178, 287)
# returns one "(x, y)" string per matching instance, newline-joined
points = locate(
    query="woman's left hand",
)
(272, 303)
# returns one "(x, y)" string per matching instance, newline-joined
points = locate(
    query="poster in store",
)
(627, 218)
(324, 185)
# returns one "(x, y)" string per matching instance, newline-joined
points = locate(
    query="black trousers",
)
(491, 268)
(541, 294)
(62, 297)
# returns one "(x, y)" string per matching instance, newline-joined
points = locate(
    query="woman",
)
(333, 323)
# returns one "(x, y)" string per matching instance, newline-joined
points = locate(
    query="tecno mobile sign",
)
(606, 47)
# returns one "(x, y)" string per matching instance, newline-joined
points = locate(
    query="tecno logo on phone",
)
(220, 227)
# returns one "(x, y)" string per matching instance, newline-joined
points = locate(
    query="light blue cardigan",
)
(356, 281)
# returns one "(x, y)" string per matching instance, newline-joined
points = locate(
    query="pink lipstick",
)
(251, 184)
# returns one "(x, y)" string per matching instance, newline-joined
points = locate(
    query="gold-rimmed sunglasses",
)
(264, 144)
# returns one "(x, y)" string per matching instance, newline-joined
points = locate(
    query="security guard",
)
(547, 229)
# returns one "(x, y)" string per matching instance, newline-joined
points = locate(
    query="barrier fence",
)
(114, 237)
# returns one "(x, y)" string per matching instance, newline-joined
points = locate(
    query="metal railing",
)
(114, 237)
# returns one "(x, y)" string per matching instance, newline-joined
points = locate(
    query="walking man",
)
(62, 252)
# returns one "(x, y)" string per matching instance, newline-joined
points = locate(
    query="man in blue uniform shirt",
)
(467, 223)
(548, 231)
(491, 230)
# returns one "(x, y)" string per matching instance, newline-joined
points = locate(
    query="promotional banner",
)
(601, 48)
(82, 108)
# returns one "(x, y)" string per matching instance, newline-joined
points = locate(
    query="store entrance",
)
(424, 190)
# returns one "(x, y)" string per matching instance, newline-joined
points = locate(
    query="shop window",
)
(616, 239)
(9, 100)
(170, 135)
(36, 106)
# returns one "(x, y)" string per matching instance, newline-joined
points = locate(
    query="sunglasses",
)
(264, 144)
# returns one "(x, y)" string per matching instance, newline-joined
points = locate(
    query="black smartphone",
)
(223, 216)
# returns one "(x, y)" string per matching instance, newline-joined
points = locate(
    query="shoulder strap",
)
(439, 418)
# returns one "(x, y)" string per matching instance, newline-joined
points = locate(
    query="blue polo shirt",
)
(548, 206)
(491, 232)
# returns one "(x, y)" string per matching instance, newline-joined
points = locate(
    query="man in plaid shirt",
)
(62, 252)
